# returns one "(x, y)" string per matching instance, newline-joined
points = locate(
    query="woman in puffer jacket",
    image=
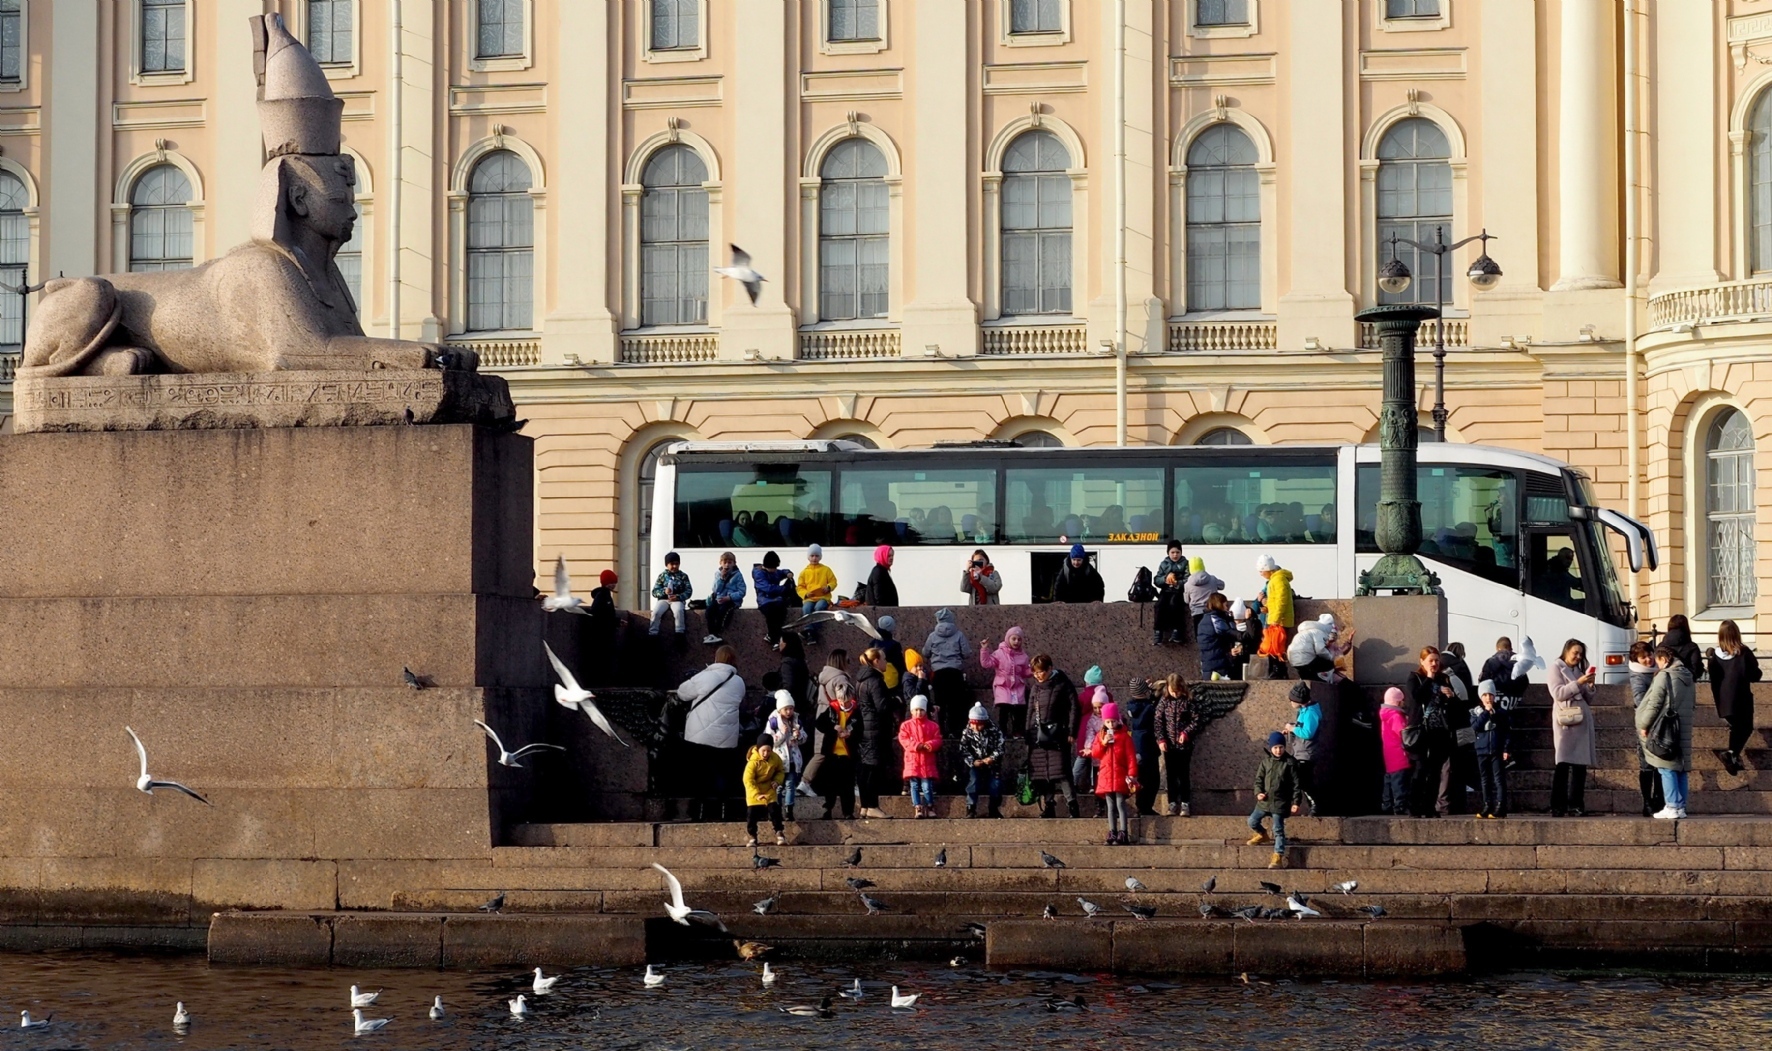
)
(711, 731)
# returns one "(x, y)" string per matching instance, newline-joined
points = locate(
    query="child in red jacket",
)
(920, 737)
(1116, 771)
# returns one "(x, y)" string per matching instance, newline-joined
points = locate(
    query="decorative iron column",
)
(1398, 526)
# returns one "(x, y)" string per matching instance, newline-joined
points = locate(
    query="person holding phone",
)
(980, 580)
(1572, 728)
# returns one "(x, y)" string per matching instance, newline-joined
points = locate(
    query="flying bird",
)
(147, 784)
(750, 950)
(180, 1016)
(853, 860)
(1299, 908)
(1271, 888)
(768, 975)
(1090, 909)
(1210, 885)
(842, 616)
(1347, 887)
(681, 913)
(562, 600)
(412, 681)
(653, 977)
(495, 903)
(571, 695)
(519, 1006)
(1528, 658)
(1050, 912)
(941, 858)
(25, 1021)
(436, 1008)
(859, 883)
(365, 1025)
(1134, 886)
(758, 861)
(820, 1010)
(359, 998)
(900, 1000)
(543, 985)
(509, 758)
(762, 908)
(874, 905)
(1048, 861)
(1143, 912)
(741, 271)
(853, 992)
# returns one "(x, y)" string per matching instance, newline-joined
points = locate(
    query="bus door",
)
(1557, 600)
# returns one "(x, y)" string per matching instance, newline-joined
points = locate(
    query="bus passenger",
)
(1078, 580)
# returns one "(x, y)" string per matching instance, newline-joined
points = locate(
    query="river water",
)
(102, 1001)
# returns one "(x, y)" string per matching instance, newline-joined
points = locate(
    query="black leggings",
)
(1012, 719)
(1568, 788)
(775, 614)
(755, 814)
(1178, 766)
(719, 614)
(1740, 729)
(836, 780)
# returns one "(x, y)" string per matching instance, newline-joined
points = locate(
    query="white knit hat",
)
(919, 703)
(783, 699)
(1239, 611)
(1266, 564)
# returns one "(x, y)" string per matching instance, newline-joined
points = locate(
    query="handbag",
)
(1569, 715)
(1465, 735)
(1412, 738)
(1024, 789)
(1663, 741)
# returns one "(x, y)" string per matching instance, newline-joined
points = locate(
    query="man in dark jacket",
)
(1053, 720)
(873, 708)
(1141, 718)
(1078, 580)
(1276, 795)
(1499, 669)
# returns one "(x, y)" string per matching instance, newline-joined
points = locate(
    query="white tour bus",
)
(1515, 537)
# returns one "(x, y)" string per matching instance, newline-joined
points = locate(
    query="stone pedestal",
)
(246, 600)
(1390, 630)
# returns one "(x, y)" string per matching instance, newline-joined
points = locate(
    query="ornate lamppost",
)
(1394, 278)
(1398, 527)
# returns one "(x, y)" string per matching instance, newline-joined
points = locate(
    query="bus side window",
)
(1556, 570)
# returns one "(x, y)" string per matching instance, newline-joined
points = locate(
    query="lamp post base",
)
(1399, 574)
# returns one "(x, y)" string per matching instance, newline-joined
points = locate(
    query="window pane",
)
(1223, 12)
(1035, 16)
(500, 28)
(1730, 512)
(710, 503)
(673, 239)
(1469, 517)
(11, 32)
(1257, 504)
(1414, 183)
(1222, 436)
(501, 240)
(855, 19)
(1083, 504)
(907, 505)
(1412, 8)
(852, 222)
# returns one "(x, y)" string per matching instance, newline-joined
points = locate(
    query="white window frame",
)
(458, 231)
(992, 191)
(1386, 24)
(1697, 471)
(632, 190)
(121, 206)
(24, 50)
(811, 183)
(1266, 172)
(337, 70)
(1245, 29)
(502, 63)
(828, 46)
(675, 54)
(137, 75)
(1008, 39)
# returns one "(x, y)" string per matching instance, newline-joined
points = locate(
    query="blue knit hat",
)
(1276, 738)
(1078, 552)
(1092, 677)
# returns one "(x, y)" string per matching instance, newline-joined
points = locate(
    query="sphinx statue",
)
(275, 303)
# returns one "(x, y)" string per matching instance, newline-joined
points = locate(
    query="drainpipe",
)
(1632, 451)
(1120, 222)
(396, 151)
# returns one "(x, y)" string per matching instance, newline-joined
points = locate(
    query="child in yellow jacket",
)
(764, 775)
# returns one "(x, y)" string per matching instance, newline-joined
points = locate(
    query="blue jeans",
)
(811, 606)
(789, 789)
(922, 790)
(1256, 819)
(1673, 788)
(986, 778)
(1395, 799)
(1083, 774)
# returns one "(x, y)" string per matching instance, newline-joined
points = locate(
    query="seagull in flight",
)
(365, 1025)
(543, 985)
(571, 695)
(679, 912)
(841, 616)
(147, 784)
(741, 271)
(359, 998)
(507, 758)
(562, 600)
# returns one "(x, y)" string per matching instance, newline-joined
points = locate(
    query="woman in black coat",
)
(879, 730)
(881, 590)
(1434, 706)
(1679, 639)
(1053, 721)
(1733, 671)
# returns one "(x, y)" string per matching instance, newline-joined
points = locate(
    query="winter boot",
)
(996, 806)
(1278, 861)
(1048, 807)
(1071, 805)
(971, 809)
(1259, 838)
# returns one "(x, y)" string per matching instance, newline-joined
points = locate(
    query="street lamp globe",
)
(1394, 277)
(1484, 273)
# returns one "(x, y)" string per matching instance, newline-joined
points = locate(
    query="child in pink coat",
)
(920, 737)
(1009, 689)
(1116, 767)
(1393, 719)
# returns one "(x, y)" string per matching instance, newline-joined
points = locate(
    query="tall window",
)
(350, 263)
(11, 38)
(1221, 12)
(855, 19)
(1223, 221)
(852, 232)
(500, 29)
(674, 239)
(15, 247)
(1759, 126)
(163, 36)
(675, 24)
(1036, 226)
(1036, 16)
(1729, 511)
(160, 221)
(1223, 436)
(1411, 8)
(329, 31)
(1414, 198)
(501, 244)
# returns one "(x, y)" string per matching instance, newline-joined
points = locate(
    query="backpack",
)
(1142, 589)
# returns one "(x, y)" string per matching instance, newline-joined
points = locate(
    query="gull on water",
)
(519, 1006)
(359, 998)
(509, 758)
(654, 978)
(147, 784)
(437, 1008)
(571, 695)
(904, 999)
(768, 975)
(25, 1021)
(853, 992)
(820, 1010)
(541, 984)
(562, 600)
(366, 1025)
(741, 271)
(180, 1016)
(677, 910)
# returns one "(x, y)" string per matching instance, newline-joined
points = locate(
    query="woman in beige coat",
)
(1572, 691)
(1672, 689)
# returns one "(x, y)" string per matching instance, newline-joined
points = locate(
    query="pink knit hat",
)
(1394, 697)
(1110, 712)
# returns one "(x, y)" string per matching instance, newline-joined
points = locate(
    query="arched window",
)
(852, 240)
(1223, 221)
(860, 439)
(501, 244)
(648, 486)
(674, 239)
(15, 248)
(1729, 512)
(1223, 436)
(160, 221)
(350, 262)
(1759, 203)
(1414, 197)
(1038, 440)
(1036, 226)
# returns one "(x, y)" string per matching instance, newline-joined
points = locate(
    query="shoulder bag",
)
(1663, 741)
(1569, 714)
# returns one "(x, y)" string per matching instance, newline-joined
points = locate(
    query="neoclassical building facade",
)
(967, 211)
